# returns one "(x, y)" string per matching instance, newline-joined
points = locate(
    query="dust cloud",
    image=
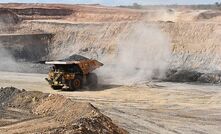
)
(143, 54)
(7, 61)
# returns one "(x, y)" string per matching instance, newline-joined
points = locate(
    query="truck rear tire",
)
(92, 80)
(76, 83)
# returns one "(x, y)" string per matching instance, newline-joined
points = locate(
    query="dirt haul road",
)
(154, 107)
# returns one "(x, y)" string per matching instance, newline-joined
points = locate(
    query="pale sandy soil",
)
(157, 107)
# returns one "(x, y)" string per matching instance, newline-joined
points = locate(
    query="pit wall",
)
(26, 47)
(195, 46)
(82, 38)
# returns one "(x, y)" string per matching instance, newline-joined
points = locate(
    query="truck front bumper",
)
(54, 83)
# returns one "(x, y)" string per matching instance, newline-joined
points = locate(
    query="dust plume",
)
(7, 61)
(143, 54)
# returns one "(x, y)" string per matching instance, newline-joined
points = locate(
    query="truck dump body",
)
(85, 65)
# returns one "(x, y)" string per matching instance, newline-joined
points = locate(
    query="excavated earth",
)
(153, 107)
(187, 100)
(94, 30)
(36, 112)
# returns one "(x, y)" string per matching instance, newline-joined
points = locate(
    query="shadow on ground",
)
(99, 88)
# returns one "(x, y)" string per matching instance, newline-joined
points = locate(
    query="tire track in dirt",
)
(168, 107)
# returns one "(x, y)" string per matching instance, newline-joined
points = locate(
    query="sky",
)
(116, 2)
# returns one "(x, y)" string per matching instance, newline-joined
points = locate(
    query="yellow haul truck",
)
(73, 73)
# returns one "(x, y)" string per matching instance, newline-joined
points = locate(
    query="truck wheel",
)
(76, 83)
(92, 80)
(56, 87)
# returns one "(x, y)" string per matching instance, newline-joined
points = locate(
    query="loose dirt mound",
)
(50, 114)
(75, 57)
(193, 76)
(182, 76)
(208, 15)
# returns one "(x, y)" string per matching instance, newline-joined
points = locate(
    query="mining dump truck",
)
(73, 73)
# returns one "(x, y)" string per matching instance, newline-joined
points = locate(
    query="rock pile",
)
(63, 114)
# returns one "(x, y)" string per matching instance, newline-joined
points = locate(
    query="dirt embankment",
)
(195, 44)
(50, 114)
(209, 16)
(81, 38)
(29, 47)
(192, 50)
(73, 13)
(196, 51)
(8, 20)
(8, 16)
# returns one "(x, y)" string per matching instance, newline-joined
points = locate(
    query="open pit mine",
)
(161, 69)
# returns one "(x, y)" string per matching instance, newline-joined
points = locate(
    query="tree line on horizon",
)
(216, 5)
